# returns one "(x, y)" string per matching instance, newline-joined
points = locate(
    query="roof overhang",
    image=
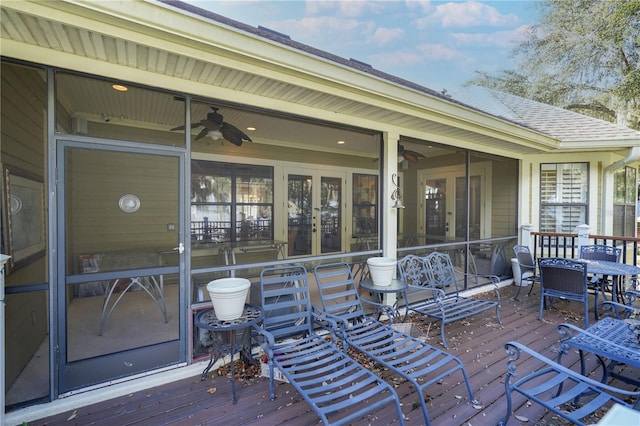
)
(162, 45)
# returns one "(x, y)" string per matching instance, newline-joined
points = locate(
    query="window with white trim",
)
(564, 191)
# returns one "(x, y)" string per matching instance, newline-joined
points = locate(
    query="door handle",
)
(179, 249)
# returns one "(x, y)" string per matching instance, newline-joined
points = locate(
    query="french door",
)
(447, 212)
(316, 209)
(120, 261)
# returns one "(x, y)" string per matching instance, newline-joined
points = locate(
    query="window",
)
(365, 204)
(564, 190)
(624, 202)
(231, 202)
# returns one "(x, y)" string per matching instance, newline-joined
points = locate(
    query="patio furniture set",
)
(309, 346)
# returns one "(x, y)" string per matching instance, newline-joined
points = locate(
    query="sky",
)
(438, 44)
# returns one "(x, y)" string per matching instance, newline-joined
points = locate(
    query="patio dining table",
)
(614, 269)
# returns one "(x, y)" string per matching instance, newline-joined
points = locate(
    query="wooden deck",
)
(479, 342)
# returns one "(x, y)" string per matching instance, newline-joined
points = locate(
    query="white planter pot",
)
(515, 267)
(381, 270)
(228, 296)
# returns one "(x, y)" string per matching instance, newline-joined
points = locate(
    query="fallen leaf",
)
(212, 390)
(522, 418)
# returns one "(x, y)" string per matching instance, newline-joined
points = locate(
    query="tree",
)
(583, 55)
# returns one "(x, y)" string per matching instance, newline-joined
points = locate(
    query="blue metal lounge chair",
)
(556, 387)
(419, 363)
(336, 387)
(431, 275)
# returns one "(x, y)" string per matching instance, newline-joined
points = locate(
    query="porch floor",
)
(478, 342)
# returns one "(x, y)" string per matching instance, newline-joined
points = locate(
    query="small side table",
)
(207, 320)
(396, 286)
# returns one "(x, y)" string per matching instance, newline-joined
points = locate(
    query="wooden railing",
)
(551, 244)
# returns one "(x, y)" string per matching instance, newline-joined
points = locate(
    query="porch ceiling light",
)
(214, 134)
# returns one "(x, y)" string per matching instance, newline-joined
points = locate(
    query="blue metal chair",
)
(528, 269)
(419, 363)
(564, 279)
(600, 252)
(336, 387)
(432, 275)
(556, 387)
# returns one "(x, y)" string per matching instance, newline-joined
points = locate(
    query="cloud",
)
(465, 14)
(438, 52)
(422, 54)
(383, 36)
(312, 29)
(499, 38)
(345, 8)
(318, 30)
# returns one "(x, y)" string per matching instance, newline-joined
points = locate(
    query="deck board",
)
(477, 341)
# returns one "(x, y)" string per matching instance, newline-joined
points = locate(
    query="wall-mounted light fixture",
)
(396, 195)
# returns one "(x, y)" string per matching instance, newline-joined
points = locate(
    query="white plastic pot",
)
(228, 296)
(515, 267)
(381, 270)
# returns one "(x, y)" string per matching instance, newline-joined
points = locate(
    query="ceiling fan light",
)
(214, 134)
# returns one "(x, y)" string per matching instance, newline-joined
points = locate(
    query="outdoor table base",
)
(396, 287)
(207, 320)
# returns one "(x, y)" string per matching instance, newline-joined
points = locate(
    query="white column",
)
(389, 229)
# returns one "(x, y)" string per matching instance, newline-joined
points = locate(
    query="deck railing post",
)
(583, 235)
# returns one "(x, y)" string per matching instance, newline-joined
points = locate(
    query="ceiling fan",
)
(215, 127)
(405, 154)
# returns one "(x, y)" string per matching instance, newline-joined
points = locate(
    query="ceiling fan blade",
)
(416, 155)
(192, 125)
(408, 156)
(208, 124)
(233, 134)
(202, 133)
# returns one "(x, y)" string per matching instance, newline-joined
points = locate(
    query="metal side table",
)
(207, 320)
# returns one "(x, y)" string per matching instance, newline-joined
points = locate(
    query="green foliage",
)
(582, 55)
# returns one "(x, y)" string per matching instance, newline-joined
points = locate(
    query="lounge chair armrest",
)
(268, 336)
(326, 320)
(615, 307)
(514, 350)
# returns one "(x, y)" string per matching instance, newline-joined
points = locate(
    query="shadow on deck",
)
(478, 342)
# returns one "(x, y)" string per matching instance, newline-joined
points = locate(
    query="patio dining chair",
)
(565, 279)
(416, 361)
(437, 280)
(600, 252)
(336, 387)
(528, 268)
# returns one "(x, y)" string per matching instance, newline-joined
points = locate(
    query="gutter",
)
(607, 196)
